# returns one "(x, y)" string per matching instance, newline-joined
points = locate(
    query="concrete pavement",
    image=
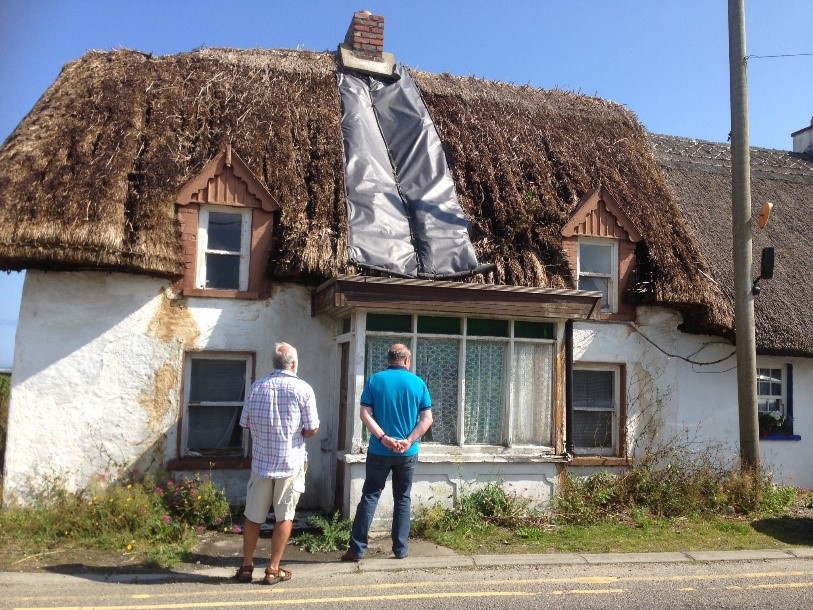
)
(422, 556)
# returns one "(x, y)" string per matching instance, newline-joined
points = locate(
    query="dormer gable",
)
(226, 218)
(599, 243)
(227, 180)
(598, 215)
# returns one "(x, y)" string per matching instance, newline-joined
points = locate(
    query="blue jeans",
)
(377, 471)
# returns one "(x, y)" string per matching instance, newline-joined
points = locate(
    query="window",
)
(490, 379)
(598, 270)
(216, 385)
(775, 399)
(596, 406)
(224, 240)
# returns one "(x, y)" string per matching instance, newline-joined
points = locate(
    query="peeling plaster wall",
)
(695, 404)
(99, 363)
(98, 371)
(89, 384)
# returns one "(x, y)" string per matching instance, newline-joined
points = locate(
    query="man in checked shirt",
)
(280, 412)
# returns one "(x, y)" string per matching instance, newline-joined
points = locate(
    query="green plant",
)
(134, 516)
(476, 514)
(771, 422)
(333, 535)
(193, 502)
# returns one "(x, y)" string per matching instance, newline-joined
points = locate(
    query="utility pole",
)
(741, 230)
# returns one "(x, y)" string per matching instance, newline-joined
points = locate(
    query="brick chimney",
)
(803, 139)
(365, 36)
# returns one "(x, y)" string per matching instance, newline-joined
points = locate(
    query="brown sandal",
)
(272, 577)
(244, 574)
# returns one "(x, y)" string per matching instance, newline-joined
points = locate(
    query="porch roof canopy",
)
(343, 293)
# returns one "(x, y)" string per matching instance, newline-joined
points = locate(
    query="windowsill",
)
(599, 460)
(781, 437)
(220, 294)
(500, 455)
(210, 463)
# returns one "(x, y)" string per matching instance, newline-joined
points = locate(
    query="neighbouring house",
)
(699, 174)
(178, 215)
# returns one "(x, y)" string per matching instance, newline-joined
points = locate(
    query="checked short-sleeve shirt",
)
(276, 410)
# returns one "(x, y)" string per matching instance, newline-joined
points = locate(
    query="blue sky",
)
(666, 61)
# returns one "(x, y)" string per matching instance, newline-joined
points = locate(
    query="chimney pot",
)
(803, 139)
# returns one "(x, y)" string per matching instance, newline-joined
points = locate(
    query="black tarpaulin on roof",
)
(403, 213)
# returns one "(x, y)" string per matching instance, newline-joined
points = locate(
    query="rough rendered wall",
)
(98, 371)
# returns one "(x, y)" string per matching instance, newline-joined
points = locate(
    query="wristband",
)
(381, 438)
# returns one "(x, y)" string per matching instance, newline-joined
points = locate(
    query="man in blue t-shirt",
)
(397, 410)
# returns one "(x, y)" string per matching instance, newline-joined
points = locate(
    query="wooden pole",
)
(741, 229)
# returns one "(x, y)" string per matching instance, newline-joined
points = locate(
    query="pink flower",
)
(236, 529)
(166, 518)
(170, 484)
(193, 491)
(218, 520)
(200, 529)
(159, 491)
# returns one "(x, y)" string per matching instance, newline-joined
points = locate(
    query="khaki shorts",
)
(282, 494)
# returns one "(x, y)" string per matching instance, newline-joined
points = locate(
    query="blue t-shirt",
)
(396, 396)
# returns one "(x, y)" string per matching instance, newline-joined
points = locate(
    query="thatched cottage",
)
(177, 215)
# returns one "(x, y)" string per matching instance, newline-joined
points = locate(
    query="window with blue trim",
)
(775, 399)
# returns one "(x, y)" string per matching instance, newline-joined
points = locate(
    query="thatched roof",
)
(700, 175)
(89, 178)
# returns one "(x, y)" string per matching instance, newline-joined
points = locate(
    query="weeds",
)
(334, 535)
(139, 516)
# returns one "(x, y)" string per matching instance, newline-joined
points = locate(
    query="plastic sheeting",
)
(403, 213)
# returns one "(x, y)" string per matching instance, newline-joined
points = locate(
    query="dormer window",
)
(226, 217)
(599, 241)
(224, 242)
(598, 269)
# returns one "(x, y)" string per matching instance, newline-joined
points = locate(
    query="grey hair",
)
(284, 356)
(398, 355)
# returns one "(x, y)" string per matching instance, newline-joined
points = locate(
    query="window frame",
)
(786, 396)
(618, 414)
(203, 245)
(183, 441)
(412, 337)
(612, 277)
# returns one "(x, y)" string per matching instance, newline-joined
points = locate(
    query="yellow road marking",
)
(315, 600)
(278, 590)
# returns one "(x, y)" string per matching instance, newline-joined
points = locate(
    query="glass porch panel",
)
(593, 428)
(375, 352)
(214, 428)
(485, 382)
(532, 389)
(217, 380)
(436, 362)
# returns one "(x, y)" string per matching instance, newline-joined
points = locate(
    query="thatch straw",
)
(89, 178)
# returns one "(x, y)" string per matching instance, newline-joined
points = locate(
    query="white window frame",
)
(411, 338)
(783, 397)
(616, 412)
(205, 355)
(612, 277)
(203, 244)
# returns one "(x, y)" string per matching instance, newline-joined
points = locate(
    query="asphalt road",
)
(756, 583)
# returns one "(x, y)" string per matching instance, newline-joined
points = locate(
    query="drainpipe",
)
(569, 387)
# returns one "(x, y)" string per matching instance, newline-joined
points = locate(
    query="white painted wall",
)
(98, 368)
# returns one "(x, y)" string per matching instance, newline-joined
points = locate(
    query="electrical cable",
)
(684, 358)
